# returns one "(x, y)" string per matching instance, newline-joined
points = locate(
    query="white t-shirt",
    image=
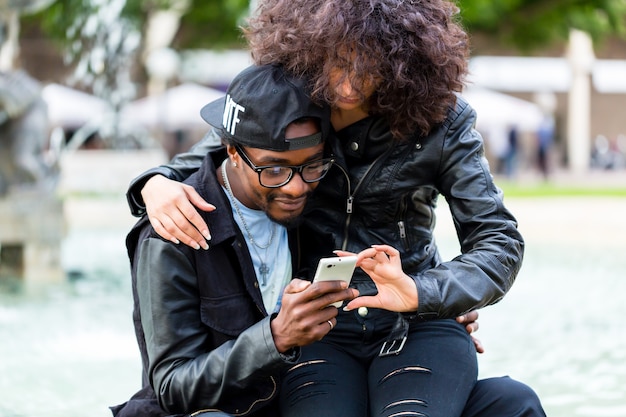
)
(276, 257)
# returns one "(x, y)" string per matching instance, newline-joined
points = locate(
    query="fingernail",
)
(346, 309)
(196, 246)
(176, 241)
(206, 234)
(205, 245)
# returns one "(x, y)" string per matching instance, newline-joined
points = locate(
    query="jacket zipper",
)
(402, 230)
(349, 201)
(402, 226)
(351, 196)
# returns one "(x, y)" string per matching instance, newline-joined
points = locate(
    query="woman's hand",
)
(170, 208)
(396, 290)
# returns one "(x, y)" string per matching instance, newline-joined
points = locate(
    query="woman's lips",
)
(348, 100)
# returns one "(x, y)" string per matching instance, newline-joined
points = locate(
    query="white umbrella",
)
(176, 108)
(497, 110)
(72, 108)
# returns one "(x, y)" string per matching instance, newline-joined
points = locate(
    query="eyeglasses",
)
(275, 176)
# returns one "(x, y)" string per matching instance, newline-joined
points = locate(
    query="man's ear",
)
(232, 154)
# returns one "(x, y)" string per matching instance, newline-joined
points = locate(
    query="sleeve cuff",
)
(133, 195)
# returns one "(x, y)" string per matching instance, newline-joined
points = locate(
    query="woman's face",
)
(346, 96)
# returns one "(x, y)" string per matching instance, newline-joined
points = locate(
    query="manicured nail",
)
(205, 245)
(206, 234)
(196, 246)
(176, 241)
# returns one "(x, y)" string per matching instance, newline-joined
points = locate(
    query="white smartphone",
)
(338, 268)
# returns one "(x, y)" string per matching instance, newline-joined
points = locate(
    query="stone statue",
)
(24, 132)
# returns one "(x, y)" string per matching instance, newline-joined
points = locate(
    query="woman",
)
(391, 70)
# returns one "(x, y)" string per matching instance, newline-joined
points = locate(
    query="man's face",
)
(283, 204)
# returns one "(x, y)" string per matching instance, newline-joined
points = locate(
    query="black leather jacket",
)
(201, 325)
(385, 191)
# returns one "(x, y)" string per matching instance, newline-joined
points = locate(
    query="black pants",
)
(502, 396)
(433, 375)
(491, 397)
(345, 376)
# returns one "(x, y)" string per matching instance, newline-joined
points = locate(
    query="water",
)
(561, 328)
(69, 350)
(66, 353)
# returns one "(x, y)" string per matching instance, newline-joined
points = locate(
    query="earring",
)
(235, 164)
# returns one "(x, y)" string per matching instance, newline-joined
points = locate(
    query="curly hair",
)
(414, 51)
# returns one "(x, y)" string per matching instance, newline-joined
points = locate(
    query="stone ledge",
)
(32, 227)
(104, 172)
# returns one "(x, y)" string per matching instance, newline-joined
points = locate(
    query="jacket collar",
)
(365, 139)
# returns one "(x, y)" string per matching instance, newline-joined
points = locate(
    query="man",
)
(212, 337)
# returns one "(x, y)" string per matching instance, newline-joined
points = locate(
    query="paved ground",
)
(594, 221)
(592, 178)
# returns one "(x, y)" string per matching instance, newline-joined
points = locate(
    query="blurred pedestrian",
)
(545, 139)
(510, 161)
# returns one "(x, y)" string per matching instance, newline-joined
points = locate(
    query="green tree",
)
(101, 39)
(532, 24)
(213, 24)
(104, 38)
(523, 23)
(204, 24)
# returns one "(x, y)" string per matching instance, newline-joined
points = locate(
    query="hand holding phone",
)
(335, 269)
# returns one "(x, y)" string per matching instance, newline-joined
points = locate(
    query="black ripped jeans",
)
(344, 376)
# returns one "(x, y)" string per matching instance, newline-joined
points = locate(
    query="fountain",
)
(31, 216)
(57, 189)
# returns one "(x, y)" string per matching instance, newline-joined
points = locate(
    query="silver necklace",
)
(263, 268)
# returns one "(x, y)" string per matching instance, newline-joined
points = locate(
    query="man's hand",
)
(170, 208)
(305, 314)
(471, 325)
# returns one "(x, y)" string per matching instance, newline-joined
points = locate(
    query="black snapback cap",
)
(260, 103)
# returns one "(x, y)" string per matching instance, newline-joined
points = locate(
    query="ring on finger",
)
(330, 323)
